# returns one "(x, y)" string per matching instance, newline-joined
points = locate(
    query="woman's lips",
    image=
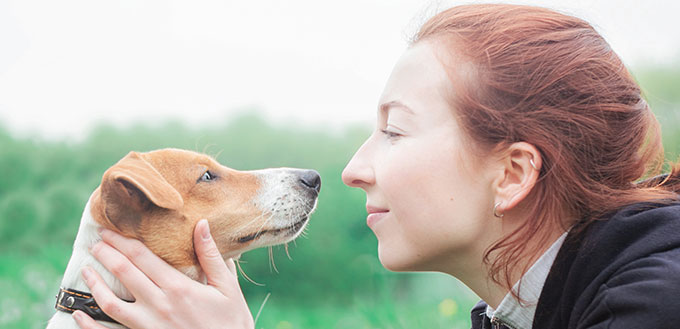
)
(375, 214)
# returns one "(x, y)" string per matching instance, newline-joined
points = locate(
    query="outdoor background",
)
(259, 85)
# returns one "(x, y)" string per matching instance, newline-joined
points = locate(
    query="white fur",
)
(81, 257)
(283, 201)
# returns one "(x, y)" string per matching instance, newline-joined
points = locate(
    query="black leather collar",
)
(71, 300)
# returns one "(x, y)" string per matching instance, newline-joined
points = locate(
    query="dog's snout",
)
(310, 179)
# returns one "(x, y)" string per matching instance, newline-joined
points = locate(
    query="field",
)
(333, 279)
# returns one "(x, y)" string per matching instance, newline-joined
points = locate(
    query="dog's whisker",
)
(303, 233)
(218, 154)
(287, 253)
(265, 223)
(271, 259)
(246, 225)
(207, 146)
(272, 212)
(261, 307)
(197, 142)
(243, 273)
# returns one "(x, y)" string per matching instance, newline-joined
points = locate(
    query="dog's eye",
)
(207, 176)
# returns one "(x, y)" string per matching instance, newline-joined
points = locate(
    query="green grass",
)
(29, 280)
(393, 300)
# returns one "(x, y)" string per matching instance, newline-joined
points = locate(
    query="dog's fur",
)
(159, 196)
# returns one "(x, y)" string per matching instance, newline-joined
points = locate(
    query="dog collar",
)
(71, 300)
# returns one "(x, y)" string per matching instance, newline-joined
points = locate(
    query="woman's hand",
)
(165, 297)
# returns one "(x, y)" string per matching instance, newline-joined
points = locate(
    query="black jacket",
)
(622, 272)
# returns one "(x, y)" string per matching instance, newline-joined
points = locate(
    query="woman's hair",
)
(551, 80)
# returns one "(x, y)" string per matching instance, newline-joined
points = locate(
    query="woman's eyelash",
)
(390, 134)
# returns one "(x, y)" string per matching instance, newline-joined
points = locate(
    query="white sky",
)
(66, 65)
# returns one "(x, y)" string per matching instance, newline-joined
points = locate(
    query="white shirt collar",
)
(518, 315)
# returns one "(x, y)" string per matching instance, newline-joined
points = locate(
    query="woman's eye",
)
(207, 176)
(390, 134)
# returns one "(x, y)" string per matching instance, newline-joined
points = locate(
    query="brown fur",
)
(156, 198)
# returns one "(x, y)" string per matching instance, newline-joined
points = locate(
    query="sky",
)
(67, 65)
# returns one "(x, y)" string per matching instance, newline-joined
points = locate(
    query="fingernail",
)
(93, 248)
(78, 316)
(206, 231)
(87, 275)
(103, 231)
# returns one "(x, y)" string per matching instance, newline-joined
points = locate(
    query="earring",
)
(533, 165)
(494, 210)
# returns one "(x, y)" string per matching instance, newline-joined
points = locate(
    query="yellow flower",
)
(284, 325)
(448, 308)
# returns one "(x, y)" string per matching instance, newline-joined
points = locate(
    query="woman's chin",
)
(396, 262)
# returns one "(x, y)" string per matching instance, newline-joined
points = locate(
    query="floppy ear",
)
(132, 187)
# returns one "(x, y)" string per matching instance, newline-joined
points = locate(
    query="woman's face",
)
(428, 197)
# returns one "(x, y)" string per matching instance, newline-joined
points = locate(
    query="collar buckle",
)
(71, 300)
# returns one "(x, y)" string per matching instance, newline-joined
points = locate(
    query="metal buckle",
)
(69, 302)
(59, 296)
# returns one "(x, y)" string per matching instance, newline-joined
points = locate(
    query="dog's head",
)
(159, 196)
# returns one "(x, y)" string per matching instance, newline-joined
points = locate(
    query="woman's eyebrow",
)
(384, 107)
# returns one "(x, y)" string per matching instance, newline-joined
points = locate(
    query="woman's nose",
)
(358, 172)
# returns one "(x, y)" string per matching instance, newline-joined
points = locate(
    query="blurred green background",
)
(334, 279)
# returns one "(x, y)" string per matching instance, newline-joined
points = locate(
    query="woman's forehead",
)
(417, 83)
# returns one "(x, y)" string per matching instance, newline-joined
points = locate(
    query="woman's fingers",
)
(122, 268)
(212, 263)
(146, 261)
(84, 321)
(108, 301)
(166, 298)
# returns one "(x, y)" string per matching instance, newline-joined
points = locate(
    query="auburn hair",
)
(549, 79)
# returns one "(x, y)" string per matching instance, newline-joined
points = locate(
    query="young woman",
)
(508, 151)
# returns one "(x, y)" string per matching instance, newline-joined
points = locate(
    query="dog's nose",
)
(310, 179)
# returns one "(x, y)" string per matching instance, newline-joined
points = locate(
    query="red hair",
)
(551, 80)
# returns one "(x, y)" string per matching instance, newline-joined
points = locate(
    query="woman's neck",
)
(476, 274)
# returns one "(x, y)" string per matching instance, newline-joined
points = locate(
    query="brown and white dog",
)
(158, 197)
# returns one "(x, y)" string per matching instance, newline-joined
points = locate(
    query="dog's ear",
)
(132, 187)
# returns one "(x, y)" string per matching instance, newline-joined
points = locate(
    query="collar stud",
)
(70, 301)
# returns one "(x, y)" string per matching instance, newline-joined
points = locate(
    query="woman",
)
(506, 153)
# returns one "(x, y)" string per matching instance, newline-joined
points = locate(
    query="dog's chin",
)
(293, 231)
(273, 236)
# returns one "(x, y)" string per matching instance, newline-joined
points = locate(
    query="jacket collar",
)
(511, 313)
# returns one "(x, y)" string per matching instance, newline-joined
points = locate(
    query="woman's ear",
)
(520, 165)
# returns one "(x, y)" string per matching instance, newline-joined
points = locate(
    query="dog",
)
(158, 197)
